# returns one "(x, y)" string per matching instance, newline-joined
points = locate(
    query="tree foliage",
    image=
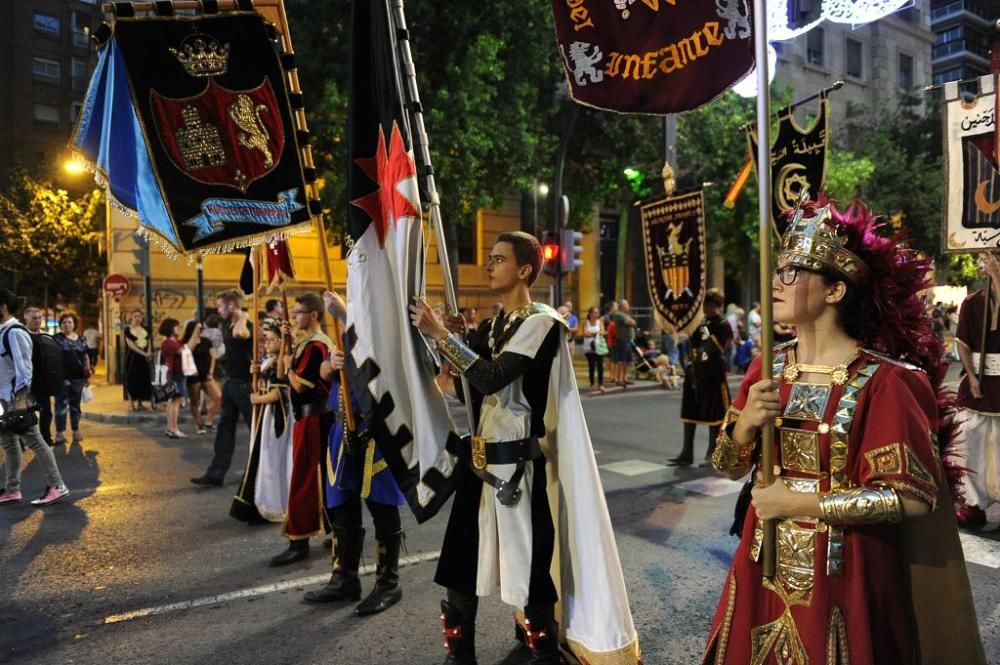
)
(49, 240)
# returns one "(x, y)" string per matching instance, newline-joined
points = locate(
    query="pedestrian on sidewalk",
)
(202, 357)
(16, 373)
(138, 381)
(33, 319)
(237, 340)
(92, 336)
(706, 394)
(77, 368)
(595, 347)
(624, 336)
(310, 393)
(170, 350)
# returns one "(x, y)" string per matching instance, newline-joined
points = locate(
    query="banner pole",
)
(764, 238)
(406, 71)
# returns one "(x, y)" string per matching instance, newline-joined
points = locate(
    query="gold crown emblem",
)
(200, 55)
(815, 243)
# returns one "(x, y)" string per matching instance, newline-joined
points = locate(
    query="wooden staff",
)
(307, 160)
(764, 234)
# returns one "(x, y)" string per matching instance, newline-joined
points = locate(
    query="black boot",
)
(458, 623)
(344, 584)
(387, 591)
(542, 634)
(713, 436)
(297, 551)
(686, 458)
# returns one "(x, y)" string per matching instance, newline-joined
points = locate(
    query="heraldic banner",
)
(652, 56)
(188, 120)
(673, 230)
(972, 194)
(798, 160)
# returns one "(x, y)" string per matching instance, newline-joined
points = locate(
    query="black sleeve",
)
(490, 376)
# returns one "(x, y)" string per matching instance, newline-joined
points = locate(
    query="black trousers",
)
(595, 361)
(458, 566)
(235, 402)
(385, 517)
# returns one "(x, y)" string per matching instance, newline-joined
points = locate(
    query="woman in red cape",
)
(869, 570)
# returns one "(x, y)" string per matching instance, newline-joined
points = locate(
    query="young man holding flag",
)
(527, 473)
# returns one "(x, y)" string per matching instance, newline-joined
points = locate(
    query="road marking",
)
(979, 550)
(254, 592)
(633, 467)
(711, 486)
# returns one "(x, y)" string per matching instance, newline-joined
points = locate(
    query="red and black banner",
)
(653, 56)
(798, 160)
(211, 97)
(673, 232)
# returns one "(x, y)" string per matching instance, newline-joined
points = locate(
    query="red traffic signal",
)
(550, 253)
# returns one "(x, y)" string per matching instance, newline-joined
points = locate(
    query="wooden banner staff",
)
(764, 235)
(307, 161)
(404, 67)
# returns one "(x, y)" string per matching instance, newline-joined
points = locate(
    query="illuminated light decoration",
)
(778, 28)
(860, 11)
(748, 86)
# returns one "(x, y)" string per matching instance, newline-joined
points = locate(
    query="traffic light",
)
(572, 248)
(550, 253)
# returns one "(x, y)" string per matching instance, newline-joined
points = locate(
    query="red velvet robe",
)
(306, 512)
(863, 614)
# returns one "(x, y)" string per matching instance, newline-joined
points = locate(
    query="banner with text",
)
(652, 56)
(189, 122)
(972, 190)
(798, 160)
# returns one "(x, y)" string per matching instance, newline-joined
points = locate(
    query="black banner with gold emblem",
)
(652, 56)
(798, 160)
(673, 231)
(189, 119)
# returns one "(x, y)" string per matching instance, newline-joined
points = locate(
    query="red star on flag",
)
(388, 168)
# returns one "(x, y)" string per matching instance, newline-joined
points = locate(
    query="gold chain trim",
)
(626, 655)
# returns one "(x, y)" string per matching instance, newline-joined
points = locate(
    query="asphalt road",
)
(141, 567)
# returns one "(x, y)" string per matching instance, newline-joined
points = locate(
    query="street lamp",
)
(74, 166)
(539, 188)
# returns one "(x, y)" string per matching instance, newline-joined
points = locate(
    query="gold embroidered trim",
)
(722, 640)
(837, 652)
(916, 468)
(887, 460)
(731, 457)
(781, 636)
(796, 549)
(626, 655)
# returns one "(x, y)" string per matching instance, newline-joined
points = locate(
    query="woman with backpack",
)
(76, 362)
(15, 393)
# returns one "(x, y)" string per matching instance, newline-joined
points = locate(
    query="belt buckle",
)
(479, 452)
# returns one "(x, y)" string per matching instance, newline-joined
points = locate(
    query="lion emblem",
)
(584, 61)
(738, 26)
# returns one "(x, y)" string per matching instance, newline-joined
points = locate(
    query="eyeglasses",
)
(300, 311)
(788, 274)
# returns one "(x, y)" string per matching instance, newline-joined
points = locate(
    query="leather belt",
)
(503, 452)
(311, 409)
(992, 365)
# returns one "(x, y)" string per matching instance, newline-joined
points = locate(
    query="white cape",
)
(274, 469)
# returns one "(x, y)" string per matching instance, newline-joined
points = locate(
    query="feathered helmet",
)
(888, 276)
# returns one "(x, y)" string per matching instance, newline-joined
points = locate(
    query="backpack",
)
(48, 373)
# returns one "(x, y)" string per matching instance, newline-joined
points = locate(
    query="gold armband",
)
(457, 353)
(861, 505)
(730, 456)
